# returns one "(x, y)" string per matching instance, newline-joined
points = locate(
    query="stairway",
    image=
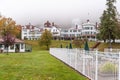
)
(96, 45)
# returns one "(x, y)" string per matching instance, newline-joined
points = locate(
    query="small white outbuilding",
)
(19, 46)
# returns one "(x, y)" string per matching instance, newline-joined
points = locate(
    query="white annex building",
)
(85, 30)
(71, 33)
(89, 30)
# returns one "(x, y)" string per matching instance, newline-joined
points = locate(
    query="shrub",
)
(108, 67)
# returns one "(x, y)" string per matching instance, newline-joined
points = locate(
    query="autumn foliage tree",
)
(8, 40)
(8, 25)
(8, 31)
(45, 39)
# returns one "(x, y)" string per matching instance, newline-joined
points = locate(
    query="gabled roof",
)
(16, 40)
(30, 27)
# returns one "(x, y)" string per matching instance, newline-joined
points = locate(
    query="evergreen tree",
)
(86, 47)
(61, 46)
(70, 46)
(109, 22)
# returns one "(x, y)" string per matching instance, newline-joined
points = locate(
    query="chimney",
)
(88, 20)
(53, 24)
(29, 23)
(76, 26)
(96, 25)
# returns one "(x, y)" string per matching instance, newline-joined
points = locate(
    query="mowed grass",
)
(38, 65)
(57, 43)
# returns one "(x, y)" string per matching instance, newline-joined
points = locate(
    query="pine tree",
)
(70, 46)
(109, 22)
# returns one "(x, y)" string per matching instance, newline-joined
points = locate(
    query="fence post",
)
(96, 66)
(70, 56)
(76, 59)
(119, 68)
(83, 61)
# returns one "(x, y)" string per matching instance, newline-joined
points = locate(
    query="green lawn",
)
(38, 65)
(57, 43)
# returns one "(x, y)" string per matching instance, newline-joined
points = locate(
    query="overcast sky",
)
(58, 11)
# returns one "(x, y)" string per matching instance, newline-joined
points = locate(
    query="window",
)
(74, 30)
(25, 30)
(0, 45)
(78, 30)
(91, 28)
(91, 32)
(78, 35)
(87, 28)
(72, 35)
(25, 33)
(21, 46)
(12, 47)
(65, 30)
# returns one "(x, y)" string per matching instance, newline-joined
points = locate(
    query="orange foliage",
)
(9, 25)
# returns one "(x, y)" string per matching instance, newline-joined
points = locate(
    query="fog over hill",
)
(62, 12)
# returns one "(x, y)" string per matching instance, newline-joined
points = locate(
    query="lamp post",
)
(110, 46)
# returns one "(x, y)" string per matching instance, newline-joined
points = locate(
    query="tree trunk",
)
(47, 47)
(113, 40)
(7, 50)
(104, 41)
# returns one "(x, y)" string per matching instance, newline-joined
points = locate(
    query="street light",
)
(110, 46)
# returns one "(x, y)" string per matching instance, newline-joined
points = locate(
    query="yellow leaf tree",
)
(9, 25)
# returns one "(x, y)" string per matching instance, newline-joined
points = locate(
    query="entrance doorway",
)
(17, 47)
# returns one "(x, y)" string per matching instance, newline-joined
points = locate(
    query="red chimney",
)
(53, 24)
(88, 20)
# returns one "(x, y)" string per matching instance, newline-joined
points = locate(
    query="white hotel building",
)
(30, 32)
(53, 29)
(86, 30)
(71, 33)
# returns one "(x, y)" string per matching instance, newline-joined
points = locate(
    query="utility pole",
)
(110, 46)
